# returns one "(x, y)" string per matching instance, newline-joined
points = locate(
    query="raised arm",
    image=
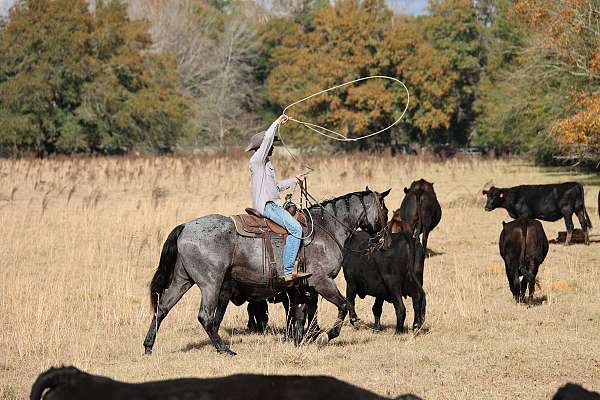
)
(261, 154)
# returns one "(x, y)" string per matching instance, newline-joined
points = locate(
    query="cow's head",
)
(495, 198)
(423, 185)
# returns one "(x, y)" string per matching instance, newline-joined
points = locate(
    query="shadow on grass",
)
(433, 253)
(537, 301)
(271, 330)
(197, 345)
(349, 342)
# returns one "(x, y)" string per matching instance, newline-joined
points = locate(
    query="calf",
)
(421, 209)
(523, 247)
(69, 383)
(387, 274)
(546, 202)
(398, 225)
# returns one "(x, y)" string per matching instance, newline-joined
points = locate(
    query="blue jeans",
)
(283, 218)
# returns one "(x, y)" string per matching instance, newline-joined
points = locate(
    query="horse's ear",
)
(367, 188)
(405, 190)
(385, 193)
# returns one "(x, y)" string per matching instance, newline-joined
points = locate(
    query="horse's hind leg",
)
(328, 289)
(212, 308)
(180, 284)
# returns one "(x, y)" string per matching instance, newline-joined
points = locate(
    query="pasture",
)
(81, 239)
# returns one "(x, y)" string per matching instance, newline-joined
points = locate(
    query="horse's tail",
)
(162, 277)
(51, 379)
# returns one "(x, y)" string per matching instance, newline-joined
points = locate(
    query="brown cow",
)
(523, 246)
(421, 209)
(398, 225)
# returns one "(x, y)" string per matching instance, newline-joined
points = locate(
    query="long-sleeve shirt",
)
(264, 184)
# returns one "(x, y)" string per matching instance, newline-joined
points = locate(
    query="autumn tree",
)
(570, 32)
(430, 78)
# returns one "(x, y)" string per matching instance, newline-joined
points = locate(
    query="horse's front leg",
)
(326, 287)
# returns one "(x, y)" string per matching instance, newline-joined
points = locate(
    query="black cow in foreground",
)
(546, 202)
(387, 274)
(420, 208)
(523, 246)
(69, 383)
(572, 391)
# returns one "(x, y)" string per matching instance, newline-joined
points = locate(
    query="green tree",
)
(454, 29)
(72, 80)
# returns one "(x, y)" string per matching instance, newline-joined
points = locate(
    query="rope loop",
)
(340, 137)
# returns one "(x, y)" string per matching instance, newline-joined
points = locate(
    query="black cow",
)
(258, 313)
(69, 383)
(387, 274)
(421, 209)
(523, 246)
(546, 202)
(572, 391)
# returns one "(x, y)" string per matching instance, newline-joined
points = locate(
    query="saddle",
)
(255, 225)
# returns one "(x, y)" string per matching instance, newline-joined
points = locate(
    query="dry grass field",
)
(81, 239)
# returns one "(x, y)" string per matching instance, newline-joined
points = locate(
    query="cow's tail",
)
(588, 222)
(419, 227)
(162, 277)
(522, 261)
(51, 379)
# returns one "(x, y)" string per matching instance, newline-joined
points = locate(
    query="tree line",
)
(516, 76)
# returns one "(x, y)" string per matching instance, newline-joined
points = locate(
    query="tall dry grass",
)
(81, 238)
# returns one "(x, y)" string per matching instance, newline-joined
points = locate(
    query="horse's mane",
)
(326, 202)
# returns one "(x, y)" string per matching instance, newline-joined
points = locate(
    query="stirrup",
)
(300, 275)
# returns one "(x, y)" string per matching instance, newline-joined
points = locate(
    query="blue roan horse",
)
(208, 252)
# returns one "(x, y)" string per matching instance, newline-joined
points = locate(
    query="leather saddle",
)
(254, 224)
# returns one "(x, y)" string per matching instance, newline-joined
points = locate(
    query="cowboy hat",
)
(257, 139)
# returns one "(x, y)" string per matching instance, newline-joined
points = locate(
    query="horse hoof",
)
(229, 352)
(322, 340)
(355, 322)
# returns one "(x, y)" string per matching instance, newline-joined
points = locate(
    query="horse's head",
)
(375, 213)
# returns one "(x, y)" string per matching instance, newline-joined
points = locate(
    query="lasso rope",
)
(340, 137)
(327, 132)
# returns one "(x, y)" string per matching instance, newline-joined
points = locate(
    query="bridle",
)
(377, 239)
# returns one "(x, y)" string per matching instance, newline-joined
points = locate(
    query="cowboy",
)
(265, 195)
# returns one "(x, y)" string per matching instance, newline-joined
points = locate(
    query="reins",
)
(317, 203)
